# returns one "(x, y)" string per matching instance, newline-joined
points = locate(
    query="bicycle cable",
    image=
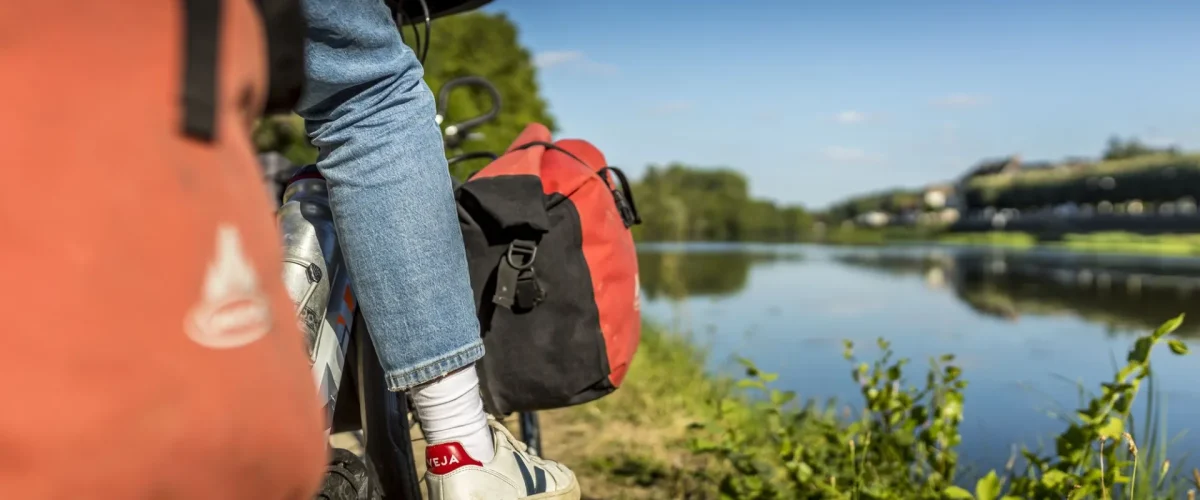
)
(425, 49)
(420, 44)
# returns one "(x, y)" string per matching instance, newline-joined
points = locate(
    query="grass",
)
(1100, 242)
(879, 236)
(998, 238)
(1103, 242)
(1167, 244)
(634, 443)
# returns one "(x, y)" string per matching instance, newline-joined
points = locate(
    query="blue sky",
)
(815, 101)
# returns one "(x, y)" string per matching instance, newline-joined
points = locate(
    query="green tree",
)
(485, 45)
(712, 198)
(285, 134)
(471, 44)
(1120, 149)
(892, 201)
(682, 203)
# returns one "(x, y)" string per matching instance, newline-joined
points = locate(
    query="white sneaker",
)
(452, 474)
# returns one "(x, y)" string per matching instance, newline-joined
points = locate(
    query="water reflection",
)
(712, 271)
(1020, 323)
(1121, 293)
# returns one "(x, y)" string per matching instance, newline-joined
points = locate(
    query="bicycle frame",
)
(340, 347)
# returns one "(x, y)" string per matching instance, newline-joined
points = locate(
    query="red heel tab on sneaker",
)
(447, 457)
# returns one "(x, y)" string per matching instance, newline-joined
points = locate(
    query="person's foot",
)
(513, 473)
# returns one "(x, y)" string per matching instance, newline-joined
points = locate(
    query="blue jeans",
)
(372, 116)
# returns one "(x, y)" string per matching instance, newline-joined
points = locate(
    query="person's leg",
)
(372, 116)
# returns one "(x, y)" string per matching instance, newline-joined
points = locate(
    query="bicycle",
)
(343, 358)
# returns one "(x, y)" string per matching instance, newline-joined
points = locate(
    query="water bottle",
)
(316, 279)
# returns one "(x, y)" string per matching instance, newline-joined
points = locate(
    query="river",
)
(1027, 327)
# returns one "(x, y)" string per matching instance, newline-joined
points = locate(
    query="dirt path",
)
(632, 443)
(611, 463)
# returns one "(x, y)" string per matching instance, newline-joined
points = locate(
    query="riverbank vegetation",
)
(1106, 242)
(681, 203)
(1127, 170)
(1101, 242)
(1150, 177)
(675, 432)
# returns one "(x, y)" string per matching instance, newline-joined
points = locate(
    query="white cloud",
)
(553, 58)
(671, 108)
(960, 100)
(842, 154)
(851, 117)
(573, 59)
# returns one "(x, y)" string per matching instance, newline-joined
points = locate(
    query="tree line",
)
(1117, 149)
(683, 203)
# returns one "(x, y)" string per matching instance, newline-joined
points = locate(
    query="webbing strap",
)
(202, 31)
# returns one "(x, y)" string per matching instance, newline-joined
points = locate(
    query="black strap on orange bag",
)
(202, 29)
(284, 24)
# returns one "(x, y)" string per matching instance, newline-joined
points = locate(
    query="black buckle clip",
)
(515, 275)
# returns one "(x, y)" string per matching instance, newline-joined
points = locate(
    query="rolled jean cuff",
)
(403, 380)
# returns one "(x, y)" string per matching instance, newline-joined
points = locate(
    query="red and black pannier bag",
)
(554, 271)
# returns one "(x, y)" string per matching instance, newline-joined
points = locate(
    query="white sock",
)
(451, 409)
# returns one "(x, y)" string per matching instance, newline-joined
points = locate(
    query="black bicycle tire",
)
(347, 477)
(389, 453)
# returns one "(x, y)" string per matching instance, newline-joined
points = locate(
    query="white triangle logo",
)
(232, 311)
(637, 292)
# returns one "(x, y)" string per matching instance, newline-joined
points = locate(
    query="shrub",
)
(902, 444)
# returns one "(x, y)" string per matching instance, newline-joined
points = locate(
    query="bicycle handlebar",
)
(455, 132)
(412, 12)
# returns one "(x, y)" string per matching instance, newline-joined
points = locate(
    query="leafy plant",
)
(1097, 457)
(902, 444)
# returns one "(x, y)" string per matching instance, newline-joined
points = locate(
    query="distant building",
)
(996, 166)
(874, 218)
(1006, 165)
(936, 196)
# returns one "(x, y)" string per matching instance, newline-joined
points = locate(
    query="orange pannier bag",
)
(555, 274)
(149, 346)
